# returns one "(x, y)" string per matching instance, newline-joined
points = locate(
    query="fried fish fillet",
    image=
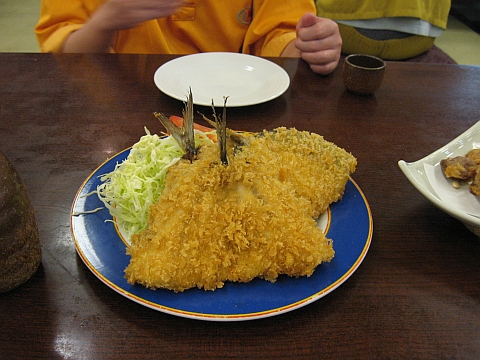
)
(253, 218)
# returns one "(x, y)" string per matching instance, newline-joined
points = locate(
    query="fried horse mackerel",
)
(240, 209)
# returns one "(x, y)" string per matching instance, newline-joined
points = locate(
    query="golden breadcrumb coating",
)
(253, 218)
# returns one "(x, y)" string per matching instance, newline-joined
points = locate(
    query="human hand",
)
(319, 42)
(98, 33)
(117, 15)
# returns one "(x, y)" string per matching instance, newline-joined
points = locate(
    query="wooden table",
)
(416, 294)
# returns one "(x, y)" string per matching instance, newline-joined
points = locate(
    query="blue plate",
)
(348, 223)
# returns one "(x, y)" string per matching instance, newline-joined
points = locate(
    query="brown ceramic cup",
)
(363, 74)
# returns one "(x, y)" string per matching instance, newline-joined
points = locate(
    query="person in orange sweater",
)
(260, 27)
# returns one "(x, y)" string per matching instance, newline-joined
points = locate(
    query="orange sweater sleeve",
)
(273, 25)
(209, 26)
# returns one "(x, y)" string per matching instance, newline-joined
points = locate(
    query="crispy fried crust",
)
(459, 167)
(252, 218)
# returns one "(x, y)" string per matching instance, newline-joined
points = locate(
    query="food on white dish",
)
(464, 170)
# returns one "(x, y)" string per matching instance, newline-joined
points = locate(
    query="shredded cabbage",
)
(137, 182)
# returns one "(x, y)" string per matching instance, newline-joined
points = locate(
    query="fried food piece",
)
(459, 167)
(474, 188)
(475, 185)
(253, 218)
(317, 169)
(474, 155)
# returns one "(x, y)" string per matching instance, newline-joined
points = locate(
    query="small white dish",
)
(245, 79)
(420, 174)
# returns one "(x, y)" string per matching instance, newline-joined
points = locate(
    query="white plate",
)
(245, 79)
(416, 173)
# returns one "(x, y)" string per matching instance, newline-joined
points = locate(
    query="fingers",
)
(319, 42)
(307, 20)
(323, 63)
(320, 29)
(124, 14)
